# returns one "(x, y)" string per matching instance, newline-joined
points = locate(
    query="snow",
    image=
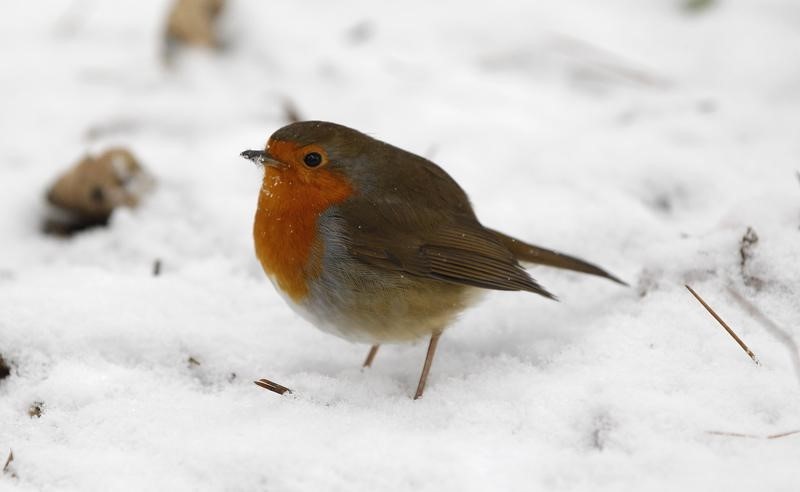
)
(630, 133)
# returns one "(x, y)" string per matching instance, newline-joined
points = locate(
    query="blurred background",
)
(671, 95)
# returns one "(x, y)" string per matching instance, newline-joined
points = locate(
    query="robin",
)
(375, 244)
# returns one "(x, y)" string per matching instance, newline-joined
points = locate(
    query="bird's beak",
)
(261, 158)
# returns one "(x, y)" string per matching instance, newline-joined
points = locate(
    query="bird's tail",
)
(528, 253)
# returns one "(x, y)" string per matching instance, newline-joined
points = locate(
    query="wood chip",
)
(272, 386)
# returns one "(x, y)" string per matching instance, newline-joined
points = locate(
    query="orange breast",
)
(285, 229)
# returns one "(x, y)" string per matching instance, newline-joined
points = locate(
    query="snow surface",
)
(627, 132)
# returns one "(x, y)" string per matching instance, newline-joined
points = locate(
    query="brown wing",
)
(459, 251)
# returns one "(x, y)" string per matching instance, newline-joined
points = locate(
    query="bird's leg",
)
(427, 366)
(371, 355)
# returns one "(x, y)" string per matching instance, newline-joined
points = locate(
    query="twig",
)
(5, 370)
(725, 325)
(782, 335)
(753, 436)
(610, 62)
(8, 461)
(272, 386)
(290, 111)
(783, 434)
(746, 246)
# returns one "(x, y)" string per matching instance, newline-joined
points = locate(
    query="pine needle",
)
(782, 335)
(753, 436)
(8, 461)
(725, 325)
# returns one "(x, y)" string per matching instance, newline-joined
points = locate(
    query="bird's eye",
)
(312, 159)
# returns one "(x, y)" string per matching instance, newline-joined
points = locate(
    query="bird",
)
(375, 244)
